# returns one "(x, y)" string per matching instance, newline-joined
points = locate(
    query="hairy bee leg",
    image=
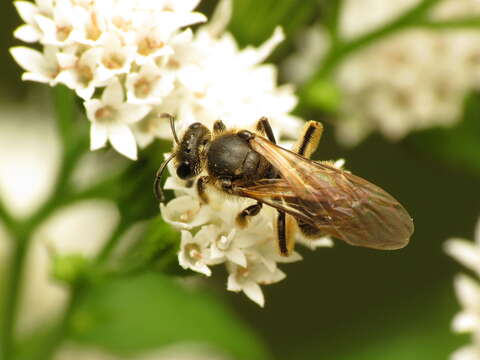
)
(309, 231)
(249, 211)
(263, 126)
(309, 139)
(285, 224)
(286, 228)
(201, 189)
(219, 127)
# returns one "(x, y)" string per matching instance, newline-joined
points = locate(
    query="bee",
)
(315, 198)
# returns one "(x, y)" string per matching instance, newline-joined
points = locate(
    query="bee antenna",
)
(171, 118)
(157, 188)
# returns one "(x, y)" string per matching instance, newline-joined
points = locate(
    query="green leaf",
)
(323, 94)
(141, 313)
(69, 268)
(155, 247)
(459, 146)
(253, 21)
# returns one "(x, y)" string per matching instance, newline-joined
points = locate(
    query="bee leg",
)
(264, 128)
(219, 127)
(309, 139)
(201, 189)
(309, 231)
(249, 211)
(286, 229)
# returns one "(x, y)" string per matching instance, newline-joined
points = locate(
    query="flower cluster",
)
(211, 236)
(412, 80)
(468, 293)
(133, 60)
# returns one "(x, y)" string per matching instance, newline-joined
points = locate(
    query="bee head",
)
(191, 151)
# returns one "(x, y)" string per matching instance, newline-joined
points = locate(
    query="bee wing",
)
(334, 201)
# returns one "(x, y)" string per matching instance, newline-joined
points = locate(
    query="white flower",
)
(468, 293)
(30, 31)
(63, 28)
(116, 58)
(185, 212)
(40, 67)
(247, 278)
(224, 247)
(471, 352)
(465, 251)
(80, 73)
(249, 252)
(149, 85)
(194, 252)
(413, 80)
(110, 117)
(143, 45)
(207, 67)
(312, 45)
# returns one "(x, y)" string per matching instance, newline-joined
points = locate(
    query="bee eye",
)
(184, 171)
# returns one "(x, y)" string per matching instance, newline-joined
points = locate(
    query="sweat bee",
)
(313, 197)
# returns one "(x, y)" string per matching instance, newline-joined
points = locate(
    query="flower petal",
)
(465, 252)
(130, 113)
(468, 292)
(29, 59)
(465, 322)
(237, 256)
(98, 136)
(122, 140)
(27, 33)
(254, 293)
(113, 94)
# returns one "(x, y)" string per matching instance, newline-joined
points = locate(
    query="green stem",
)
(11, 302)
(115, 236)
(78, 291)
(463, 23)
(8, 220)
(343, 48)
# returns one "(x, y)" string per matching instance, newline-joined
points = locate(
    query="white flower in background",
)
(409, 81)
(468, 293)
(144, 46)
(91, 44)
(312, 44)
(471, 352)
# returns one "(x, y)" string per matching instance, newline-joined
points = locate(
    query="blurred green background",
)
(341, 303)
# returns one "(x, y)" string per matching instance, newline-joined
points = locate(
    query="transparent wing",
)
(334, 201)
